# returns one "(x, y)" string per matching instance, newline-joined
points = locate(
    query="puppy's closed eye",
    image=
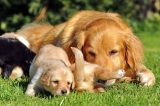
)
(55, 82)
(69, 83)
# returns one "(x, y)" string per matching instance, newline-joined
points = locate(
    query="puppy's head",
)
(57, 78)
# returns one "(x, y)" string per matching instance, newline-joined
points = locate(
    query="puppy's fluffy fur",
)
(13, 53)
(86, 74)
(50, 71)
(104, 38)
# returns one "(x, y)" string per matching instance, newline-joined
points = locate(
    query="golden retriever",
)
(86, 73)
(50, 71)
(104, 38)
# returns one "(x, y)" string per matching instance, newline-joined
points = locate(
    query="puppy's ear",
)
(45, 79)
(134, 51)
(79, 64)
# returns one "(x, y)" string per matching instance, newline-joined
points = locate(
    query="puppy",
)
(15, 56)
(86, 73)
(50, 71)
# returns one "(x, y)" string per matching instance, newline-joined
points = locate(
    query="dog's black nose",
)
(64, 91)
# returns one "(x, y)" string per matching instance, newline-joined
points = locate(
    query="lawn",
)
(122, 94)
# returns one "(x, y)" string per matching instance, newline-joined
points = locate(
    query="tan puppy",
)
(86, 73)
(50, 71)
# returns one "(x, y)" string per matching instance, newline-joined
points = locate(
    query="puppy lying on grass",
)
(85, 74)
(50, 71)
(15, 56)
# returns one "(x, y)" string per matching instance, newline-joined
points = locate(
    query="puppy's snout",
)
(63, 91)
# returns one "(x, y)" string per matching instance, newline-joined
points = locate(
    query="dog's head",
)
(57, 79)
(112, 46)
(109, 42)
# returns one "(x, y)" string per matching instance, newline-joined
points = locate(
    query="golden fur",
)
(39, 35)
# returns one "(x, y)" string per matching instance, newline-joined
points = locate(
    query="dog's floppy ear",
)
(134, 51)
(78, 42)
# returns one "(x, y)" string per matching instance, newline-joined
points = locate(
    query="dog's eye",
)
(68, 83)
(91, 53)
(113, 52)
(56, 81)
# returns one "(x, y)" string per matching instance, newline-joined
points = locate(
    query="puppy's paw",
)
(121, 73)
(98, 87)
(110, 82)
(30, 91)
(99, 90)
(17, 72)
(146, 78)
(125, 79)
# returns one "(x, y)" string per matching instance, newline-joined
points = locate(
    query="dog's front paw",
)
(146, 78)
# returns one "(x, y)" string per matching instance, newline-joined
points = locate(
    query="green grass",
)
(122, 94)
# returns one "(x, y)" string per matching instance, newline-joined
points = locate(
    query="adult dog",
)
(105, 39)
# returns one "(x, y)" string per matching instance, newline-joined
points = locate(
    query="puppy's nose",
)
(63, 91)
